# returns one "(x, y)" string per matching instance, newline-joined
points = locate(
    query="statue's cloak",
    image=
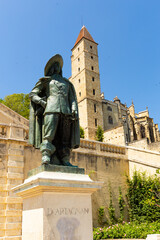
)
(36, 118)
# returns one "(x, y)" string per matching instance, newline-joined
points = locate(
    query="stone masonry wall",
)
(115, 136)
(142, 160)
(7, 116)
(12, 142)
(11, 175)
(113, 114)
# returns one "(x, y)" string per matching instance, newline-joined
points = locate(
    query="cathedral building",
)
(121, 124)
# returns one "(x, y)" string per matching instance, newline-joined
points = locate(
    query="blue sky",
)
(128, 33)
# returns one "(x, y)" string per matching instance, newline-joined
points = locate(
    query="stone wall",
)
(142, 160)
(113, 112)
(115, 136)
(13, 136)
(154, 146)
(143, 144)
(11, 175)
(140, 144)
(8, 116)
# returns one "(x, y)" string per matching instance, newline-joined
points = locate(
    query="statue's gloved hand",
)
(75, 114)
(43, 103)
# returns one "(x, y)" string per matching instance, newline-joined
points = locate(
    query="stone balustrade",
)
(102, 147)
(18, 132)
(13, 131)
(88, 144)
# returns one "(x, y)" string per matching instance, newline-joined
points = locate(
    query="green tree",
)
(18, 103)
(99, 134)
(81, 132)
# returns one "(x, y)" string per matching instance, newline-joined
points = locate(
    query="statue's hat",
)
(52, 60)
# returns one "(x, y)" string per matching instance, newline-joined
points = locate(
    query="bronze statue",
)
(54, 120)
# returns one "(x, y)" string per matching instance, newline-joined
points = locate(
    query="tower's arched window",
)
(110, 120)
(95, 108)
(92, 67)
(109, 108)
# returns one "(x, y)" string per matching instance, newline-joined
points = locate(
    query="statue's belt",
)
(40, 110)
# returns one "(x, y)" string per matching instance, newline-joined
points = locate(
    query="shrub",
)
(100, 215)
(81, 132)
(121, 206)
(111, 209)
(143, 196)
(127, 230)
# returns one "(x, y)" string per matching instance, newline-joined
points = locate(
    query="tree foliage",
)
(18, 103)
(99, 134)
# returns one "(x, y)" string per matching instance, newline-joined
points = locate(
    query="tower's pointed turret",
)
(84, 34)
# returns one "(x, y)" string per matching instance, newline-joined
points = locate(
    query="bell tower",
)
(86, 80)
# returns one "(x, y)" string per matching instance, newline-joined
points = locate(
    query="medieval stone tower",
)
(86, 80)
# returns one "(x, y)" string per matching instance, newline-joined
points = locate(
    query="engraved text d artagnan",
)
(67, 211)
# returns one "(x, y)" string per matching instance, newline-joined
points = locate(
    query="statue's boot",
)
(47, 150)
(65, 161)
(45, 157)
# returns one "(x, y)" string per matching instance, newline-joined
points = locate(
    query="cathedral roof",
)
(84, 34)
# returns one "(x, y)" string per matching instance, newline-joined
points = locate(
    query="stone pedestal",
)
(57, 204)
(153, 237)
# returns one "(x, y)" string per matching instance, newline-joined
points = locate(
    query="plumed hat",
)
(52, 60)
